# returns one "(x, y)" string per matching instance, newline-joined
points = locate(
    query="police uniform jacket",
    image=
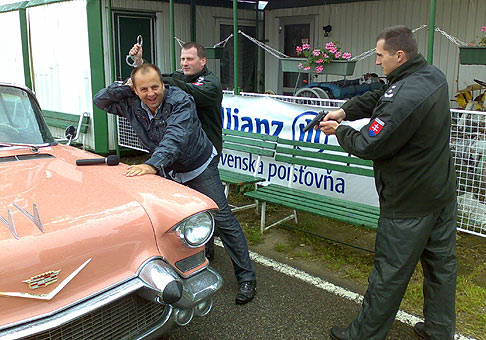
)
(206, 89)
(407, 138)
(174, 136)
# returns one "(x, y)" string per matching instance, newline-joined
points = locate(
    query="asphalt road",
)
(285, 308)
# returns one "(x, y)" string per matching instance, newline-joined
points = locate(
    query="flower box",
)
(214, 52)
(336, 67)
(472, 55)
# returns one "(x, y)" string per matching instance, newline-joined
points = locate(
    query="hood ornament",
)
(34, 218)
(53, 292)
(10, 224)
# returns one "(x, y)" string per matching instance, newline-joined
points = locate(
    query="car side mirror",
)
(70, 133)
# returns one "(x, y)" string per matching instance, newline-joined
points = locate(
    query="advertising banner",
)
(287, 120)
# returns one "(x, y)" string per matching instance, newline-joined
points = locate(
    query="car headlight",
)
(196, 230)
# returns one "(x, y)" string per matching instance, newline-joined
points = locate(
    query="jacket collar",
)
(409, 67)
(191, 79)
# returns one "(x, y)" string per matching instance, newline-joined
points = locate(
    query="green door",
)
(127, 26)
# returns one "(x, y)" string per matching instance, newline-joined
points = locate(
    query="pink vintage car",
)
(87, 253)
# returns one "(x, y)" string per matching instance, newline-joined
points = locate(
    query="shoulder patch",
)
(376, 127)
(390, 94)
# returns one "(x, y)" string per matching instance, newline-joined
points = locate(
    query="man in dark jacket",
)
(165, 120)
(194, 78)
(408, 140)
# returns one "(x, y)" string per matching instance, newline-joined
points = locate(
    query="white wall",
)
(355, 25)
(11, 60)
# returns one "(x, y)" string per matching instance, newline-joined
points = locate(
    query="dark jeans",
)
(227, 226)
(400, 244)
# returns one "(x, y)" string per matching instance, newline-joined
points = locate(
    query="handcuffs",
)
(132, 59)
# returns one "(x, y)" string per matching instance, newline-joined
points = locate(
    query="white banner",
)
(287, 120)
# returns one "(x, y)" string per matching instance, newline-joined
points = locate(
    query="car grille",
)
(126, 318)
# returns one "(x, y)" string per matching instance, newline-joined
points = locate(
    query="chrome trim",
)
(10, 224)
(198, 288)
(49, 321)
(34, 218)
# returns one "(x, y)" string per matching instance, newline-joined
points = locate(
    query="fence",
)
(468, 144)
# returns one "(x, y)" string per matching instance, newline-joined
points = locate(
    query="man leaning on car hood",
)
(165, 120)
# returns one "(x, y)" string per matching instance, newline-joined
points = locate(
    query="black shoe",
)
(246, 293)
(338, 333)
(419, 328)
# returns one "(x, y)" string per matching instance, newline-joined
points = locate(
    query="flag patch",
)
(376, 127)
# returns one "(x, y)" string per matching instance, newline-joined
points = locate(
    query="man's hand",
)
(329, 127)
(337, 115)
(331, 121)
(137, 51)
(129, 83)
(139, 170)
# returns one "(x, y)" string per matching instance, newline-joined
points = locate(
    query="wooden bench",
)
(62, 120)
(320, 156)
(255, 144)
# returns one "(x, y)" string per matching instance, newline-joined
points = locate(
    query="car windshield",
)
(21, 118)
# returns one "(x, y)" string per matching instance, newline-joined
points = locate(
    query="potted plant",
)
(474, 53)
(329, 60)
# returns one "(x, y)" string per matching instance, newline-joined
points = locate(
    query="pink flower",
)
(338, 54)
(330, 45)
(333, 50)
(325, 55)
(305, 47)
(298, 49)
(319, 69)
(307, 68)
(316, 52)
(300, 65)
(320, 61)
(483, 29)
(347, 55)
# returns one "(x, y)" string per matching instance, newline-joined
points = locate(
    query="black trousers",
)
(400, 244)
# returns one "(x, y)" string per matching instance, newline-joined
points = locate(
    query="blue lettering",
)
(235, 119)
(272, 171)
(308, 180)
(248, 126)
(230, 161)
(223, 158)
(252, 164)
(259, 122)
(279, 126)
(245, 164)
(340, 186)
(228, 120)
(331, 180)
(238, 162)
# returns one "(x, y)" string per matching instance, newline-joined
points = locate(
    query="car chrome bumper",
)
(197, 293)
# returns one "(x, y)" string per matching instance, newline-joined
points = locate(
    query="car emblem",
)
(53, 292)
(43, 279)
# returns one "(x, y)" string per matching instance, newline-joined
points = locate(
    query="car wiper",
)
(33, 147)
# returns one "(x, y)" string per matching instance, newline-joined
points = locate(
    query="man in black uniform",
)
(195, 79)
(408, 140)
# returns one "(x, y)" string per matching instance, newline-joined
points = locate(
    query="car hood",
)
(69, 218)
